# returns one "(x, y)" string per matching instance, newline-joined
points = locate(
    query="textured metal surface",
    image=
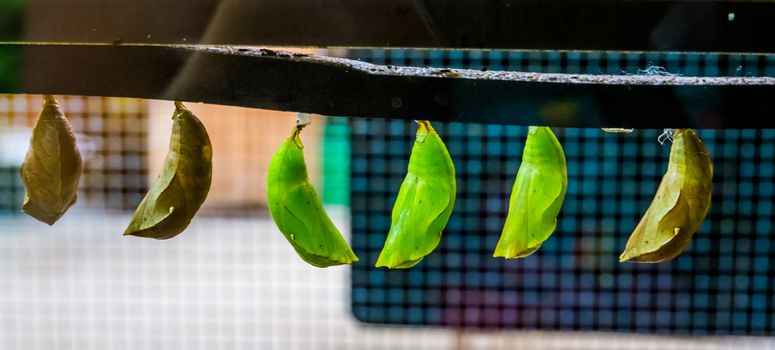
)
(635, 25)
(279, 80)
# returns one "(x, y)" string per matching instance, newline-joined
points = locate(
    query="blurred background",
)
(231, 281)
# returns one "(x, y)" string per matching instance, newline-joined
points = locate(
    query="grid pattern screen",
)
(111, 134)
(723, 284)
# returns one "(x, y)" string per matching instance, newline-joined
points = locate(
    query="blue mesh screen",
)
(723, 284)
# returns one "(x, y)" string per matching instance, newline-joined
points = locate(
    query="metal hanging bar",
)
(262, 78)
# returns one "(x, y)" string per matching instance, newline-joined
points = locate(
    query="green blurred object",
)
(10, 66)
(11, 23)
(11, 19)
(336, 161)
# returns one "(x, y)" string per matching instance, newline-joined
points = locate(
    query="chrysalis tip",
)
(303, 119)
(49, 99)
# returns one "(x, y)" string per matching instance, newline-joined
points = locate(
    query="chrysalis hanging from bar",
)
(680, 205)
(52, 167)
(181, 188)
(297, 210)
(424, 204)
(536, 197)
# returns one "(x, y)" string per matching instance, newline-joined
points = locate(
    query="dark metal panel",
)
(335, 86)
(636, 25)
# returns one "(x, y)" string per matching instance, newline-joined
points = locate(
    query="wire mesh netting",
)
(722, 285)
(112, 136)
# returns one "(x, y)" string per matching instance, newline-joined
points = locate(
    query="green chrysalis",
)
(424, 202)
(52, 167)
(182, 186)
(536, 197)
(297, 211)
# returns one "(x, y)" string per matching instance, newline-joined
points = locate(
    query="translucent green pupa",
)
(424, 202)
(297, 211)
(536, 197)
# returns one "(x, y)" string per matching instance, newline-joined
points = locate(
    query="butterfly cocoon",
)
(680, 205)
(52, 166)
(298, 212)
(424, 203)
(536, 197)
(183, 184)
